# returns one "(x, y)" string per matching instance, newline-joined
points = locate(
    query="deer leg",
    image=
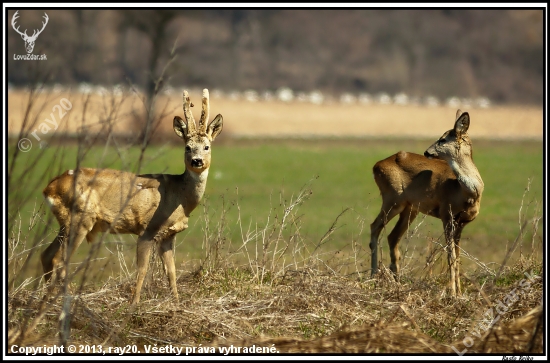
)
(68, 249)
(458, 233)
(144, 246)
(405, 219)
(53, 255)
(450, 229)
(385, 215)
(166, 253)
(61, 249)
(92, 235)
(73, 245)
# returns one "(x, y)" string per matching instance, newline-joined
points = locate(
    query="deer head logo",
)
(29, 41)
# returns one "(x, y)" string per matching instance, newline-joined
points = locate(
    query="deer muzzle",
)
(197, 163)
(429, 155)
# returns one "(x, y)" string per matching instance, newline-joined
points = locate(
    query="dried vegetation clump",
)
(300, 311)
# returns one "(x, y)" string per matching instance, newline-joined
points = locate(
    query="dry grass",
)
(278, 119)
(304, 311)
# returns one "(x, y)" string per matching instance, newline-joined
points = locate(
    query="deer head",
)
(454, 144)
(197, 138)
(29, 41)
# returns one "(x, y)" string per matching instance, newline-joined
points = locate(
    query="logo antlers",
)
(29, 41)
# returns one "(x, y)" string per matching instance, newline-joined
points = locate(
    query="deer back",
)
(121, 200)
(416, 180)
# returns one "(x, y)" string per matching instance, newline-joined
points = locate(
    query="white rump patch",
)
(70, 172)
(50, 201)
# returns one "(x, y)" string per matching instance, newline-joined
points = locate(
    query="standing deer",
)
(153, 206)
(444, 183)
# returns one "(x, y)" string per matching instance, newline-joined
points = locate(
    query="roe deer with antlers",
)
(443, 183)
(153, 206)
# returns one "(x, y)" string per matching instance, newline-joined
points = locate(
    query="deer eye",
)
(440, 141)
(188, 148)
(206, 147)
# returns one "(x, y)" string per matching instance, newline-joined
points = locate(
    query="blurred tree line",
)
(465, 53)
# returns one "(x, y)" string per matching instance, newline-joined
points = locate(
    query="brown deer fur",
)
(153, 206)
(444, 183)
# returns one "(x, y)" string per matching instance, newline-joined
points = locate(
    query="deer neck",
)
(468, 176)
(195, 185)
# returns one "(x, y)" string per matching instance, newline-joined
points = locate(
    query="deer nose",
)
(428, 155)
(196, 163)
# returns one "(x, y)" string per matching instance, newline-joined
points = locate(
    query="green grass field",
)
(252, 181)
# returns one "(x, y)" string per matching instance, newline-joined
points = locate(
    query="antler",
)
(189, 119)
(205, 110)
(15, 16)
(24, 34)
(43, 26)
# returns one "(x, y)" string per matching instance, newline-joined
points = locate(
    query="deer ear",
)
(462, 123)
(215, 127)
(458, 113)
(180, 128)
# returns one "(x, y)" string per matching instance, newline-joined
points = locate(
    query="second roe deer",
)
(443, 183)
(155, 207)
